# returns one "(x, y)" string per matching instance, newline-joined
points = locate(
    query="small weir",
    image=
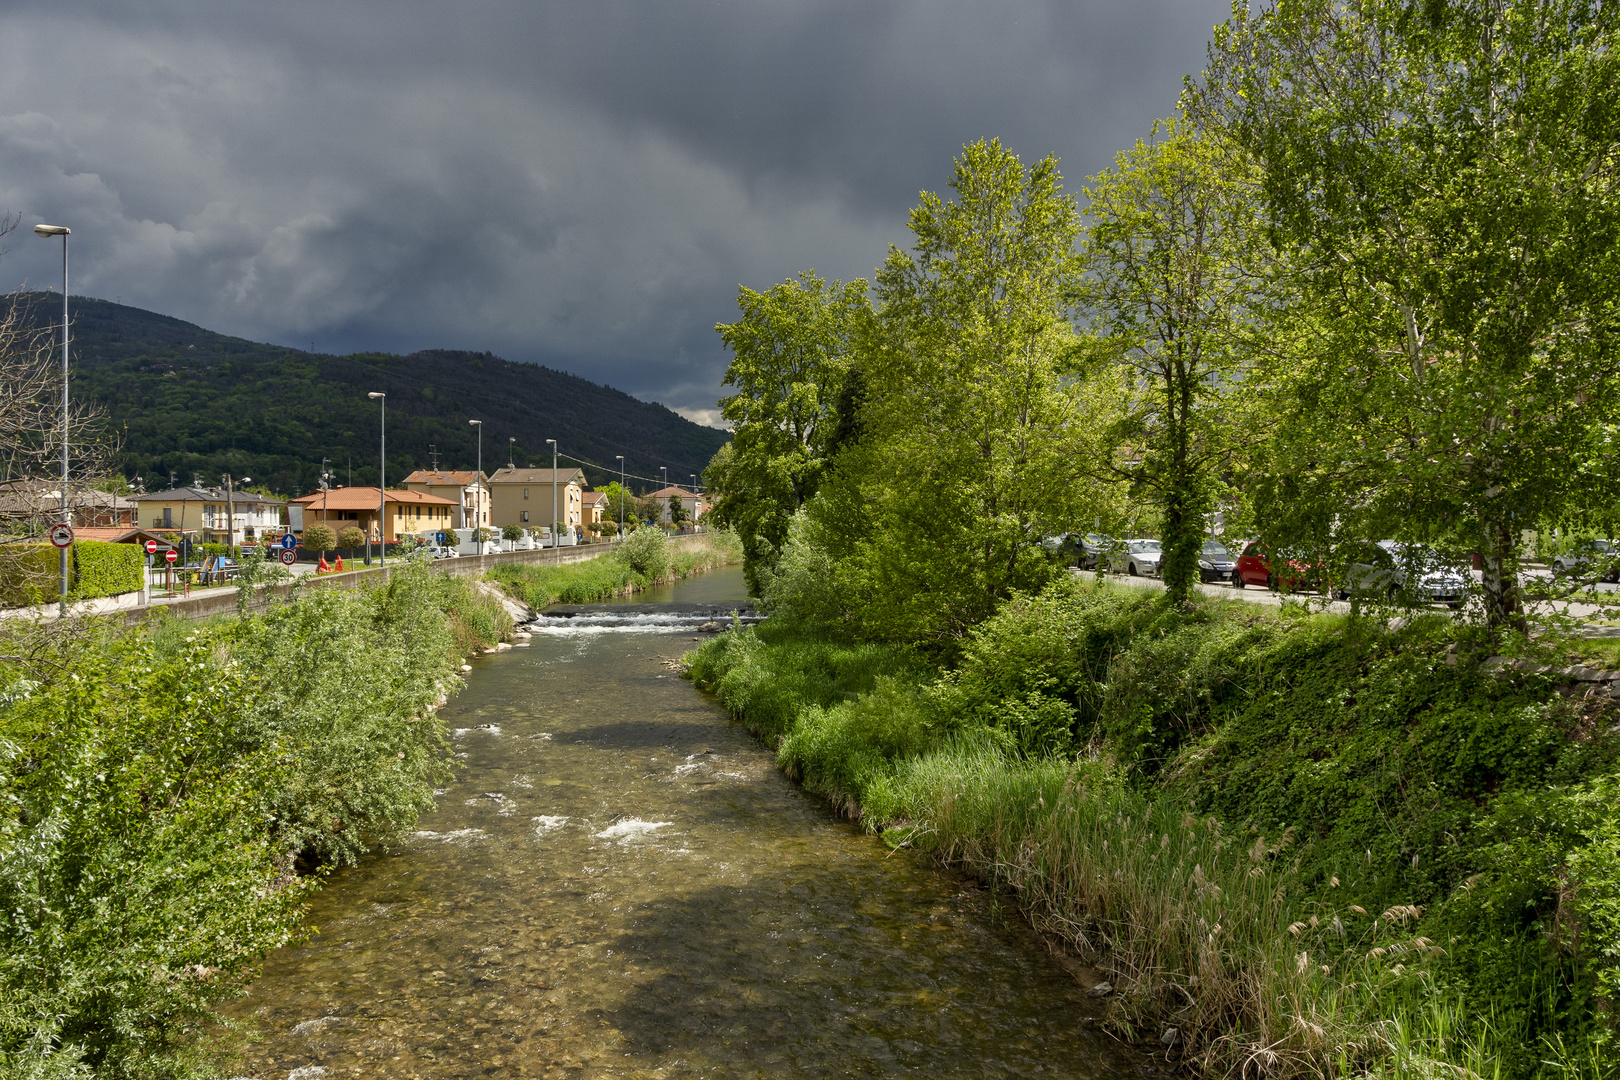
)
(619, 883)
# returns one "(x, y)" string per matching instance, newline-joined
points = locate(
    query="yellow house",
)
(220, 517)
(523, 497)
(408, 513)
(466, 487)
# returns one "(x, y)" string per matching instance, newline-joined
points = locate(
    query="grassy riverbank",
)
(1309, 845)
(163, 786)
(646, 558)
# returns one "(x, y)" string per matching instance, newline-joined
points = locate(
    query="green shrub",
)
(319, 537)
(511, 532)
(645, 551)
(104, 569)
(351, 537)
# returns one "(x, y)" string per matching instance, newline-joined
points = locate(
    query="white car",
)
(1138, 558)
(1397, 570)
(1592, 558)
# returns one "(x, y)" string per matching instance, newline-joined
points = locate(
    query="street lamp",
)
(511, 443)
(48, 231)
(621, 493)
(665, 470)
(478, 527)
(382, 479)
(554, 537)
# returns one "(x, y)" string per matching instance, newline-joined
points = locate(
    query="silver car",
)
(1394, 570)
(1593, 557)
(1138, 558)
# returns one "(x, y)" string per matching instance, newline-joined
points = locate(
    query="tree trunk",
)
(1504, 603)
(1183, 538)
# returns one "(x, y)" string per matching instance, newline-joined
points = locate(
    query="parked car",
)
(1078, 551)
(1094, 548)
(443, 551)
(1398, 570)
(1215, 562)
(1138, 558)
(1277, 568)
(1594, 557)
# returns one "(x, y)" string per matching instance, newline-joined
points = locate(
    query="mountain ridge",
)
(186, 401)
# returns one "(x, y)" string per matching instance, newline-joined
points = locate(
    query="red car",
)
(1257, 566)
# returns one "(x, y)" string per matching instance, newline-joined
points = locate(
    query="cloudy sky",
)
(580, 184)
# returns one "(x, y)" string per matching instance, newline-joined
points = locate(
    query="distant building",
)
(220, 520)
(595, 503)
(523, 497)
(693, 504)
(38, 503)
(409, 513)
(468, 488)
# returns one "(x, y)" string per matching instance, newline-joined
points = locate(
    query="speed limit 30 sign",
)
(288, 556)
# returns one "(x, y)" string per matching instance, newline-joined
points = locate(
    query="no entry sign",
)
(171, 555)
(151, 547)
(62, 535)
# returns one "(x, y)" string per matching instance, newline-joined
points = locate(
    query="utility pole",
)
(478, 525)
(48, 231)
(382, 480)
(555, 539)
(621, 493)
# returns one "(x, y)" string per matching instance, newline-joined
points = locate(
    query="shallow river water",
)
(619, 883)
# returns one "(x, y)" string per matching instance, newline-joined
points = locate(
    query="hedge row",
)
(29, 573)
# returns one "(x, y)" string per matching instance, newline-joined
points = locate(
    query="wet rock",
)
(1171, 1037)
(466, 667)
(713, 626)
(1102, 989)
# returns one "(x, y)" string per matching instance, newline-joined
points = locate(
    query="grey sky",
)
(580, 184)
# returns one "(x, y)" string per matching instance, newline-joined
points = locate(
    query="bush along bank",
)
(161, 784)
(1295, 844)
(646, 557)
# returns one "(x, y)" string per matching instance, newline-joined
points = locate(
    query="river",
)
(619, 883)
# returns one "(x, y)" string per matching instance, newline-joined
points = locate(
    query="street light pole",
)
(665, 509)
(621, 494)
(382, 480)
(48, 231)
(478, 528)
(554, 537)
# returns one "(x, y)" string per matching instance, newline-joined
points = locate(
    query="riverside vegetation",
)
(173, 792)
(644, 557)
(1295, 844)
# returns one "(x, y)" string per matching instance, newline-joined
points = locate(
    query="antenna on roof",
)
(433, 455)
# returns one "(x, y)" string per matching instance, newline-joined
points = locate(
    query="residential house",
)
(38, 503)
(595, 504)
(693, 504)
(408, 513)
(221, 519)
(468, 488)
(524, 497)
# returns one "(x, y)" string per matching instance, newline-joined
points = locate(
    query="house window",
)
(525, 515)
(525, 493)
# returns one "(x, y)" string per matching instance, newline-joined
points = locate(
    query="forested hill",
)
(185, 401)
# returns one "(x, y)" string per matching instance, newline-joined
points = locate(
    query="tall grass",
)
(612, 574)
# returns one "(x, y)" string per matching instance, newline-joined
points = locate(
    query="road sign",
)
(62, 535)
(171, 555)
(151, 547)
(440, 538)
(289, 556)
(289, 542)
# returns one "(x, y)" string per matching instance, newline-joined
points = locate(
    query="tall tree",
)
(790, 350)
(975, 425)
(1174, 290)
(1446, 177)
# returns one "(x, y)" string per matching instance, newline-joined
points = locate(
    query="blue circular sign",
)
(289, 541)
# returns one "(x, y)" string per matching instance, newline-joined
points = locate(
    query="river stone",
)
(1102, 989)
(1171, 1036)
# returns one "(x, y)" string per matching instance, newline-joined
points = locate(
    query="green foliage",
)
(351, 537)
(1175, 291)
(790, 352)
(646, 552)
(511, 532)
(1442, 184)
(104, 569)
(158, 785)
(319, 537)
(1474, 806)
(571, 583)
(804, 587)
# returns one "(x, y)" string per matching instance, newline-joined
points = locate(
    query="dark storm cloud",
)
(579, 184)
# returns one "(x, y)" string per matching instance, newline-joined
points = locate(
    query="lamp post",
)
(621, 494)
(554, 537)
(665, 508)
(478, 528)
(382, 479)
(48, 231)
(694, 500)
(511, 443)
